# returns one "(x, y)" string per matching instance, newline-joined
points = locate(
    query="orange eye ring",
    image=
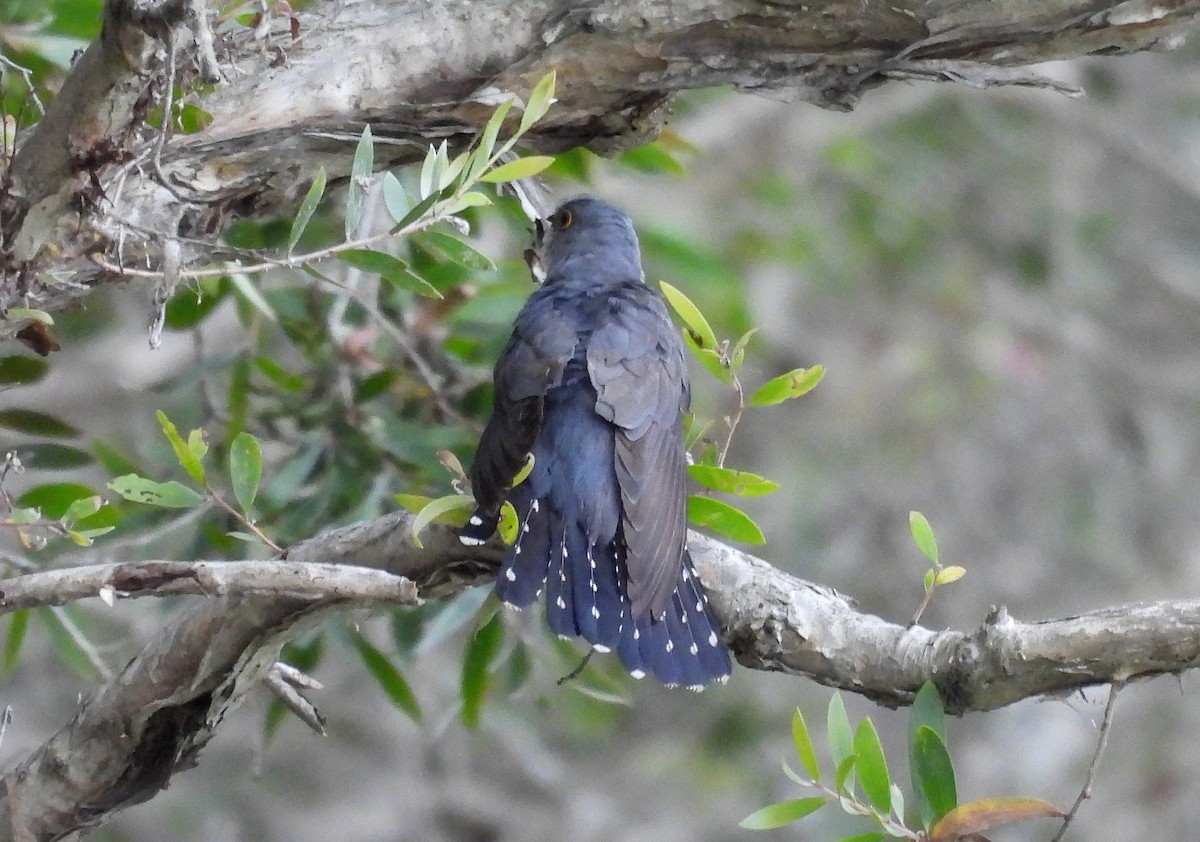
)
(563, 220)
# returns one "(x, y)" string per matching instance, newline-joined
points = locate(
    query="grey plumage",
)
(594, 383)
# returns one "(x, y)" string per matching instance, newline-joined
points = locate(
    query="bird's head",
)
(589, 230)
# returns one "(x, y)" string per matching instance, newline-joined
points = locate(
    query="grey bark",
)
(419, 72)
(152, 719)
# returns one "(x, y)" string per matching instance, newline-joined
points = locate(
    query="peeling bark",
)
(151, 721)
(90, 177)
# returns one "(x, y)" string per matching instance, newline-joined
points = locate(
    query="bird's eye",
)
(563, 220)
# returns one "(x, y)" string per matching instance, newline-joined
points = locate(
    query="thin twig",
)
(245, 520)
(27, 75)
(1101, 743)
(573, 674)
(733, 420)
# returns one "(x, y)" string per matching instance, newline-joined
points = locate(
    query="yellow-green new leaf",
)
(804, 745)
(518, 169)
(724, 519)
(922, 534)
(795, 383)
(741, 483)
(186, 455)
(169, 495)
(784, 813)
(456, 503)
(540, 100)
(508, 523)
(698, 327)
(948, 575)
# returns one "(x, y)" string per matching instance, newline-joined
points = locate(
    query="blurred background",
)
(1004, 287)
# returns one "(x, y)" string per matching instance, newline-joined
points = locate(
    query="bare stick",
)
(1101, 743)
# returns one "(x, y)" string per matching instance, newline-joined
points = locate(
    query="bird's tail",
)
(586, 596)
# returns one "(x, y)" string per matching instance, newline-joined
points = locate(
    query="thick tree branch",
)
(419, 72)
(152, 719)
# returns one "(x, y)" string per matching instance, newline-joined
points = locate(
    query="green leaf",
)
(394, 197)
(934, 771)
(53, 456)
(455, 250)
(741, 483)
(19, 369)
(783, 813)
(487, 141)
(508, 523)
(482, 649)
(843, 776)
(520, 168)
(36, 423)
(17, 628)
(795, 383)
(186, 455)
(711, 360)
(738, 355)
(540, 100)
(525, 471)
(171, 495)
(307, 208)
(392, 269)
(389, 678)
(245, 469)
(928, 579)
(192, 119)
(429, 172)
(15, 314)
(54, 499)
(804, 746)
(922, 534)
(417, 212)
(245, 289)
(651, 158)
(468, 200)
(697, 326)
(724, 519)
(81, 508)
(841, 739)
(360, 174)
(949, 574)
(871, 767)
(869, 836)
(436, 508)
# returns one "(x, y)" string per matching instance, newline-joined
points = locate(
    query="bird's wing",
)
(541, 345)
(636, 364)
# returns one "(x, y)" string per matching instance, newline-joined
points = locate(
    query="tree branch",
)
(280, 111)
(149, 722)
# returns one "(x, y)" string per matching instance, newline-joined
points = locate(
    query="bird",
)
(593, 385)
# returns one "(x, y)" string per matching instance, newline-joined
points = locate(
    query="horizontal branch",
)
(130, 580)
(94, 177)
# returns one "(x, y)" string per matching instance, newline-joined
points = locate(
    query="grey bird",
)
(593, 383)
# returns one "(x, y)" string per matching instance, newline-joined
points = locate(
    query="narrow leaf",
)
(17, 628)
(36, 423)
(394, 197)
(922, 534)
(307, 208)
(793, 384)
(935, 771)
(19, 369)
(540, 100)
(804, 746)
(389, 678)
(416, 212)
(975, 817)
(456, 614)
(841, 739)
(436, 508)
(724, 519)
(697, 326)
(65, 644)
(482, 649)
(185, 455)
(710, 359)
(245, 469)
(455, 250)
(360, 176)
(872, 767)
(844, 778)
(926, 711)
(84, 507)
(869, 836)
(170, 495)
(520, 168)
(741, 483)
(245, 288)
(783, 813)
(487, 141)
